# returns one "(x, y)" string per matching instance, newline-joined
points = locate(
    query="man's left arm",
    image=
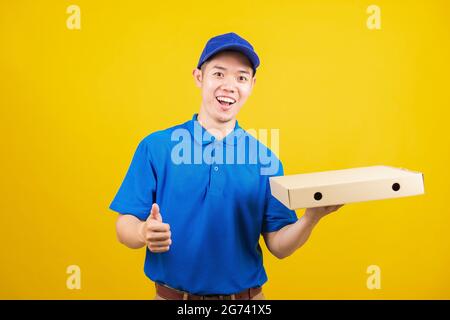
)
(287, 240)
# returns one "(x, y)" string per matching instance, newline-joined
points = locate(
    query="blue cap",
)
(229, 41)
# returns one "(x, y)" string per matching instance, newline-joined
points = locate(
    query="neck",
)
(216, 128)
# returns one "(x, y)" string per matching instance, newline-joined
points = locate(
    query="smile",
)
(225, 101)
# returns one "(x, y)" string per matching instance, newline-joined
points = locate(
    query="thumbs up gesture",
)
(155, 233)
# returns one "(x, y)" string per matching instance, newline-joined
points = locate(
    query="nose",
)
(228, 85)
(228, 88)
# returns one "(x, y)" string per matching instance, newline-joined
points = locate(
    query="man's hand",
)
(155, 233)
(318, 213)
(284, 242)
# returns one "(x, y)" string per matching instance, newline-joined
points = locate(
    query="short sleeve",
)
(276, 215)
(137, 191)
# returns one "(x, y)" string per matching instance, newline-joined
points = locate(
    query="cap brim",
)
(249, 53)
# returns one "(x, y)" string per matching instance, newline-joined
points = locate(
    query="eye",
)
(219, 74)
(242, 78)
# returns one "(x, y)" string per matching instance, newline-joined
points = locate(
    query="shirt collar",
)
(203, 137)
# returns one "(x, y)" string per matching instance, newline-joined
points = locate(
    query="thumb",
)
(155, 214)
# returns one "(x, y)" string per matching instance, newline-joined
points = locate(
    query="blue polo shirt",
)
(215, 194)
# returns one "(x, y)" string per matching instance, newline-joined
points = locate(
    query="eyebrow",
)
(222, 68)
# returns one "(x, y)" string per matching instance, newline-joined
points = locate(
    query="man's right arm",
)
(152, 233)
(129, 231)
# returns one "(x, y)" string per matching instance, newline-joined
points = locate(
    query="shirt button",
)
(216, 168)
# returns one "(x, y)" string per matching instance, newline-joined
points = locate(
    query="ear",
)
(252, 84)
(198, 77)
(253, 81)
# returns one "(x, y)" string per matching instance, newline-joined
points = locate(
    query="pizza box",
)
(317, 189)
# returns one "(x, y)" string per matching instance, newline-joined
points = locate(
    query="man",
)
(197, 195)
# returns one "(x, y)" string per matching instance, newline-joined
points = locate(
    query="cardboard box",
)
(326, 188)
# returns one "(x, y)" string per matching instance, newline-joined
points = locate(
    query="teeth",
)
(226, 99)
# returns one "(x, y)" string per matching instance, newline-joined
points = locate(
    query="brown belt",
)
(173, 294)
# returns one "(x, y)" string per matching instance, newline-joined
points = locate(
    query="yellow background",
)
(75, 104)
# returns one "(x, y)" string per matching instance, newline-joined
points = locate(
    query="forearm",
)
(129, 233)
(293, 236)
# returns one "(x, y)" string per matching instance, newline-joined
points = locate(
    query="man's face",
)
(226, 82)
